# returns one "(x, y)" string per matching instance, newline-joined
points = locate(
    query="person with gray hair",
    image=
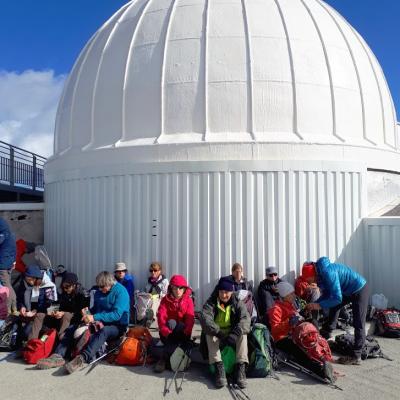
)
(110, 314)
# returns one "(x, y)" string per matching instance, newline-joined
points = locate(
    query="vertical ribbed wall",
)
(382, 238)
(198, 224)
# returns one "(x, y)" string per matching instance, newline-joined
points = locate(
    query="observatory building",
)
(200, 133)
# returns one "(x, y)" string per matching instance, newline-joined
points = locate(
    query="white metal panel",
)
(382, 255)
(198, 224)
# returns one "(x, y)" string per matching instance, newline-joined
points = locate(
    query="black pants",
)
(300, 357)
(359, 306)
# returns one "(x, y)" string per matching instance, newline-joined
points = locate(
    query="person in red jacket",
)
(283, 318)
(175, 318)
(303, 289)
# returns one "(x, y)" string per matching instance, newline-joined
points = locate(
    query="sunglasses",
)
(274, 274)
(120, 271)
(153, 270)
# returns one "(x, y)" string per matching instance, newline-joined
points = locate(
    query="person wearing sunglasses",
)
(175, 318)
(267, 292)
(110, 314)
(73, 299)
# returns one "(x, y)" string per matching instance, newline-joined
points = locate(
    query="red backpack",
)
(307, 337)
(388, 323)
(36, 349)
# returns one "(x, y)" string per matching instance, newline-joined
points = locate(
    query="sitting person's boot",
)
(77, 363)
(241, 380)
(160, 365)
(220, 375)
(54, 361)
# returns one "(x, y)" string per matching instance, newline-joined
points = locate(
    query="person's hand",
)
(88, 319)
(220, 335)
(84, 311)
(312, 307)
(294, 320)
(58, 314)
(230, 340)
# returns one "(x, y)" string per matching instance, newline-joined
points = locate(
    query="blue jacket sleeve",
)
(130, 287)
(120, 306)
(333, 293)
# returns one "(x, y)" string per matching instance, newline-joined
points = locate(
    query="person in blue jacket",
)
(340, 285)
(8, 252)
(127, 281)
(109, 314)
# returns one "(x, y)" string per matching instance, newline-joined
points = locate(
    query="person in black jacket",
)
(238, 279)
(225, 321)
(267, 292)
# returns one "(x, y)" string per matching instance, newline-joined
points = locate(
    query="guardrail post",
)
(12, 170)
(34, 174)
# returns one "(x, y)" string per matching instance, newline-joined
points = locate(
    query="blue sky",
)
(45, 37)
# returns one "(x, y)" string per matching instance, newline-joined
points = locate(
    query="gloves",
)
(220, 335)
(293, 321)
(178, 337)
(229, 340)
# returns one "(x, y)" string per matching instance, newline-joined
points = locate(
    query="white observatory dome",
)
(198, 71)
(200, 133)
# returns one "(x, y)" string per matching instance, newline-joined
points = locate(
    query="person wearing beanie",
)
(8, 253)
(73, 299)
(283, 318)
(175, 318)
(225, 321)
(267, 292)
(35, 294)
(341, 285)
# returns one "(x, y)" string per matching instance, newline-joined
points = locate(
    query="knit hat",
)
(271, 270)
(33, 271)
(120, 266)
(284, 288)
(226, 284)
(70, 278)
(308, 270)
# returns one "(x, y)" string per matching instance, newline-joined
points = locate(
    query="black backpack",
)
(344, 345)
(9, 334)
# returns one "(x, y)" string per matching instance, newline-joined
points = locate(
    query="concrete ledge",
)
(21, 206)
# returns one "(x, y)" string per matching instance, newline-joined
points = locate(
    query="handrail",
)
(21, 168)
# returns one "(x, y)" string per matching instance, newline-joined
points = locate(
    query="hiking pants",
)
(300, 357)
(66, 344)
(99, 338)
(359, 306)
(34, 327)
(172, 341)
(214, 353)
(5, 280)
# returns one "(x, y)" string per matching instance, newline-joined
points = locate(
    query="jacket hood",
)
(179, 280)
(322, 263)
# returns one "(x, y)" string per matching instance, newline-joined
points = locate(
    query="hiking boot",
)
(77, 363)
(160, 365)
(328, 371)
(241, 380)
(220, 375)
(349, 360)
(54, 361)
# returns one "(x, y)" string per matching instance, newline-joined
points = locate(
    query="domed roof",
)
(195, 71)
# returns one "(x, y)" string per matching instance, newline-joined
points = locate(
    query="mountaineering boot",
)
(349, 360)
(241, 375)
(160, 365)
(77, 363)
(54, 361)
(220, 376)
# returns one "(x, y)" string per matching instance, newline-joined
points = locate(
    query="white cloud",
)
(28, 106)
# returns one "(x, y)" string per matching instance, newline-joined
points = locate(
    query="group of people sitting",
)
(105, 311)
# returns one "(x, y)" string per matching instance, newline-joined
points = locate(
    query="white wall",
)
(199, 223)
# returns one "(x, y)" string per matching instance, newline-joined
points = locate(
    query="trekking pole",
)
(166, 390)
(306, 371)
(93, 363)
(232, 391)
(237, 387)
(188, 353)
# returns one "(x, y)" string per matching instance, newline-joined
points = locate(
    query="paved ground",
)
(376, 379)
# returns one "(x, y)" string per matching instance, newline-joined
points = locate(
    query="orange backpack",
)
(134, 348)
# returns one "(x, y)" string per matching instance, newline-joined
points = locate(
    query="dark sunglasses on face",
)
(274, 274)
(153, 270)
(178, 287)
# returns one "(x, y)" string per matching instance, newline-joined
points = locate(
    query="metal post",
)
(34, 174)
(12, 176)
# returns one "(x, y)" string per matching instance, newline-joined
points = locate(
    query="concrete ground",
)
(375, 379)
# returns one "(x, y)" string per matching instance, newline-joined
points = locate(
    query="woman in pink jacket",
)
(175, 318)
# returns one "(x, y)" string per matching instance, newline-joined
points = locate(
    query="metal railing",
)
(20, 168)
